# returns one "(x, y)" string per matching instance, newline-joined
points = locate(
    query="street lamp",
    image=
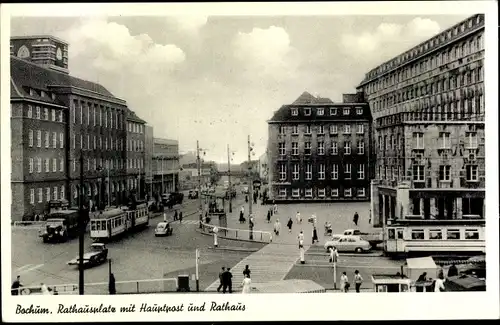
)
(250, 186)
(229, 159)
(198, 159)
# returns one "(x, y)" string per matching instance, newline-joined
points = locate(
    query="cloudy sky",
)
(219, 78)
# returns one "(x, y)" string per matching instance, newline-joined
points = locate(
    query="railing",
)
(102, 288)
(28, 224)
(263, 236)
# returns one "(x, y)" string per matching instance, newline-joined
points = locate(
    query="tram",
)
(117, 222)
(435, 236)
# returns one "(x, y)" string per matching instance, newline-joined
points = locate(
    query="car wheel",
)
(359, 250)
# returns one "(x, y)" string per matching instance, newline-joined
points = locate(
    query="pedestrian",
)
(112, 284)
(229, 280)
(16, 285)
(439, 284)
(268, 216)
(355, 218)
(302, 252)
(246, 271)
(358, 280)
(221, 278)
(271, 211)
(215, 230)
(275, 207)
(164, 216)
(344, 282)
(315, 235)
(45, 289)
(452, 271)
(422, 279)
(246, 284)
(301, 236)
(370, 217)
(277, 227)
(175, 215)
(289, 225)
(180, 217)
(334, 254)
(298, 217)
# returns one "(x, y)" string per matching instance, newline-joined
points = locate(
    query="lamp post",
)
(229, 159)
(250, 186)
(81, 233)
(198, 160)
(197, 270)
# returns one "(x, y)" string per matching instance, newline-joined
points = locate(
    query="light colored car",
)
(163, 229)
(348, 244)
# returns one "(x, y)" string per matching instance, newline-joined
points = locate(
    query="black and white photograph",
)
(214, 157)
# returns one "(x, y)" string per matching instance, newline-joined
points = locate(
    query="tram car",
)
(466, 236)
(117, 222)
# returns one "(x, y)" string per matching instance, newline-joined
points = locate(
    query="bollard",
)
(137, 286)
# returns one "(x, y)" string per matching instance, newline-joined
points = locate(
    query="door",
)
(400, 243)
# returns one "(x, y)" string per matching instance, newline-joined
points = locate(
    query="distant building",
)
(320, 151)
(136, 155)
(148, 159)
(165, 166)
(263, 167)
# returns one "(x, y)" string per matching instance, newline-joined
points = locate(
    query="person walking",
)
(334, 254)
(246, 271)
(422, 279)
(358, 280)
(302, 252)
(298, 218)
(270, 211)
(16, 285)
(355, 218)
(315, 235)
(301, 236)
(229, 280)
(452, 271)
(277, 227)
(275, 207)
(344, 282)
(289, 225)
(268, 216)
(45, 289)
(175, 215)
(439, 284)
(180, 216)
(215, 230)
(221, 279)
(246, 284)
(164, 216)
(112, 284)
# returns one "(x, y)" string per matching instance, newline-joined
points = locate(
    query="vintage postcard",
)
(219, 161)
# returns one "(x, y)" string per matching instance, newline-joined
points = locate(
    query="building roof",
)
(132, 116)
(39, 36)
(170, 142)
(26, 74)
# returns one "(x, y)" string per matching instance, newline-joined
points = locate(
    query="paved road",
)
(139, 256)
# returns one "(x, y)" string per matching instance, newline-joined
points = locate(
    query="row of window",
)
(308, 172)
(334, 148)
(320, 111)
(47, 139)
(47, 165)
(472, 173)
(135, 127)
(110, 164)
(437, 234)
(321, 193)
(56, 195)
(97, 115)
(334, 129)
(119, 187)
(444, 141)
(48, 115)
(109, 143)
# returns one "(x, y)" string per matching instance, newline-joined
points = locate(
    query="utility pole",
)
(81, 233)
(229, 175)
(197, 270)
(199, 180)
(250, 191)
(109, 183)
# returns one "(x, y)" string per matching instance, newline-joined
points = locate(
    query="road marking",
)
(28, 268)
(189, 222)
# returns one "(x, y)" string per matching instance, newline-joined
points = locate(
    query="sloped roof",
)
(27, 75)
(132, 116)
(305, 98)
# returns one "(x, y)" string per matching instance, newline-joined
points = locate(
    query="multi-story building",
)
(319, 150)
(263, 165)
(428, 110)
(148, 159)
(57, 120)
(165, 166)
(136, 155)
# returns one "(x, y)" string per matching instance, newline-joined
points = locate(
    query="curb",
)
(235, 249)
(330, 266)
(347, 254)
(236, 239)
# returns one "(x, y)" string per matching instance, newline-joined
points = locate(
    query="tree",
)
(214, 175)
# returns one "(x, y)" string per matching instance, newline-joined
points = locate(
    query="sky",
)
(218, 79)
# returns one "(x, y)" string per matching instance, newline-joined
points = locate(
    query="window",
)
(30, 111)
(32, 196)
(308, 129)
(282, 172)
(346, 111)
(30, 138)
(320, 111)
(333, 111)
(38, 112)
(417, 234)
(295, 192)
(47, 139)
(321, 192)
(282, 193)
(307, 148)
(60, 116)
(444, 140)
(321, 129)
(309, 172)
(361, 129)
(61, 139)
(435, 234)
(333, 129)
(321, 148)
(335, 148)
(335, 192)
(471, 140)
(61, 165)
(47, 164)
(295, 148)
(53, 113)
(361, 147)
(282, 129)
(47, 194)
(471, 234)
(281, 147)
(62, 193)
(380, 143)
(55, 193)
(88, 141)
(335, 171)
(46, 114)
(418, 173)
(54, 140)
(307, 111)
(361, 171)
(444, 173)
(296, 172)
(472, 173)
(295, 129)
(54, 165)
(347, 171)
(347, 148)
(359, 111)
(453, 234)
(309, 192)
(347, 192)
(418, 140)
(347, 129)
(321, 172)
(40, 195)
(31, 165)
(361, 192)
(39, 164)
(295, 112)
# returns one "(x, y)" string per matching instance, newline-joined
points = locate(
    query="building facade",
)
(148, 159)
(165, 166)
(319, 150)
(60, 123)
(136, 155)
(428, 109)
(263, 166)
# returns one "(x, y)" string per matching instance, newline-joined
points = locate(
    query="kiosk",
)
(391, 283)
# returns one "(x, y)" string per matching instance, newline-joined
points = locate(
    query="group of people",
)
(437, 285)
(344, 281)
(226, 280)
(177, 216)
(17, 287)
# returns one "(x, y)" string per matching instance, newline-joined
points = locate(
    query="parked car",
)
(348, 244)
(193, 194)
(98, 254)
(169, 200)
(373, 238)
(163, 229)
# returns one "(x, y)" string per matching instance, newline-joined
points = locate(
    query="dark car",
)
(173, 199)
(98, 254)
(193, 194)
